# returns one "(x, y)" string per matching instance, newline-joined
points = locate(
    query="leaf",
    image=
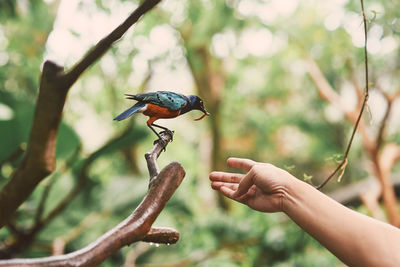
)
(307, 178)
(289, 167)
(343, 168)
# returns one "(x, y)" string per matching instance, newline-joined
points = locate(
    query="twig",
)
(43, 199)
(366, 95)
(162, 235)
(154, 153)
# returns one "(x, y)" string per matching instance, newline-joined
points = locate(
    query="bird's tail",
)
(130, 111)
(133, 97)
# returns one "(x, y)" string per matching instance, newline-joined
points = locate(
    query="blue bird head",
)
(195, 102)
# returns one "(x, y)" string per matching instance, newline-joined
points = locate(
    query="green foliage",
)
(16, 130)
(8, 8)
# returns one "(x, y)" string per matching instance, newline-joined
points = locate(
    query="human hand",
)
(263, 188)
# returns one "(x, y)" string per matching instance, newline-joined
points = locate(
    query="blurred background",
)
(283, 81)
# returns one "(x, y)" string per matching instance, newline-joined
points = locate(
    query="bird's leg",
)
(160, 139)
(171, 133)
(158, 135)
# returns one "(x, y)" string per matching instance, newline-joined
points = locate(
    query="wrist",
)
(292, 198)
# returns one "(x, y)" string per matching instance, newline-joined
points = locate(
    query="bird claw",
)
(170, 133)
(162, 141)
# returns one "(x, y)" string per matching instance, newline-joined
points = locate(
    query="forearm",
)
(356, 239)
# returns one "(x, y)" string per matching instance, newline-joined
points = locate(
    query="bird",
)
(162, 105)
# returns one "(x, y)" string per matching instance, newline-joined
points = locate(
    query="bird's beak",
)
(202, 116)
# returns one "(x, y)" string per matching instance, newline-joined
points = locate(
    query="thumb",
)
(244, 185)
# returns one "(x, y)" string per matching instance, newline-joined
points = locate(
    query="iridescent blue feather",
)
(130, 111)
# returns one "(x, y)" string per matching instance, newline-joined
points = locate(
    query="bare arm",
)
(356, 239)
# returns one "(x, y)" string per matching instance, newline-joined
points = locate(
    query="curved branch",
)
(132, 229)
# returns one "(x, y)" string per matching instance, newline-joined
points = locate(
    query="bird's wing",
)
(166, 99)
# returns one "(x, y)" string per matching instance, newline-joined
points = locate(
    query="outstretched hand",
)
(262, 188)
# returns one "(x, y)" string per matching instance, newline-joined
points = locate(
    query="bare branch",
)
(324, 88)
(154, 153)
(330, 95)
(103, 45)
(39, 160)
(132, 229)
(135, 228)
(366, 95)
(162, 235)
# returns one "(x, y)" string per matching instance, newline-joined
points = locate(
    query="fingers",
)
(234, 185)
(228, 191)
(240, 163)
(226, 177)
(216, 185)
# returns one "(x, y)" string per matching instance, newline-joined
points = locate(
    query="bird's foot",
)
(163, 141)
(160, 141)
(169, 132)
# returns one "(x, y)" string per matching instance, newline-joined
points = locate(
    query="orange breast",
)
(158, 112)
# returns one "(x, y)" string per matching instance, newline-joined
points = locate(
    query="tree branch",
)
(132, 229)
(39, 161)
(342, 165)
(383, 156)
(154, 153)
(23, 239)
(137, 227)
(162, 235)
(327, 93)
(104, 44)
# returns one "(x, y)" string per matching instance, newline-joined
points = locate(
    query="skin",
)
(354, 238)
